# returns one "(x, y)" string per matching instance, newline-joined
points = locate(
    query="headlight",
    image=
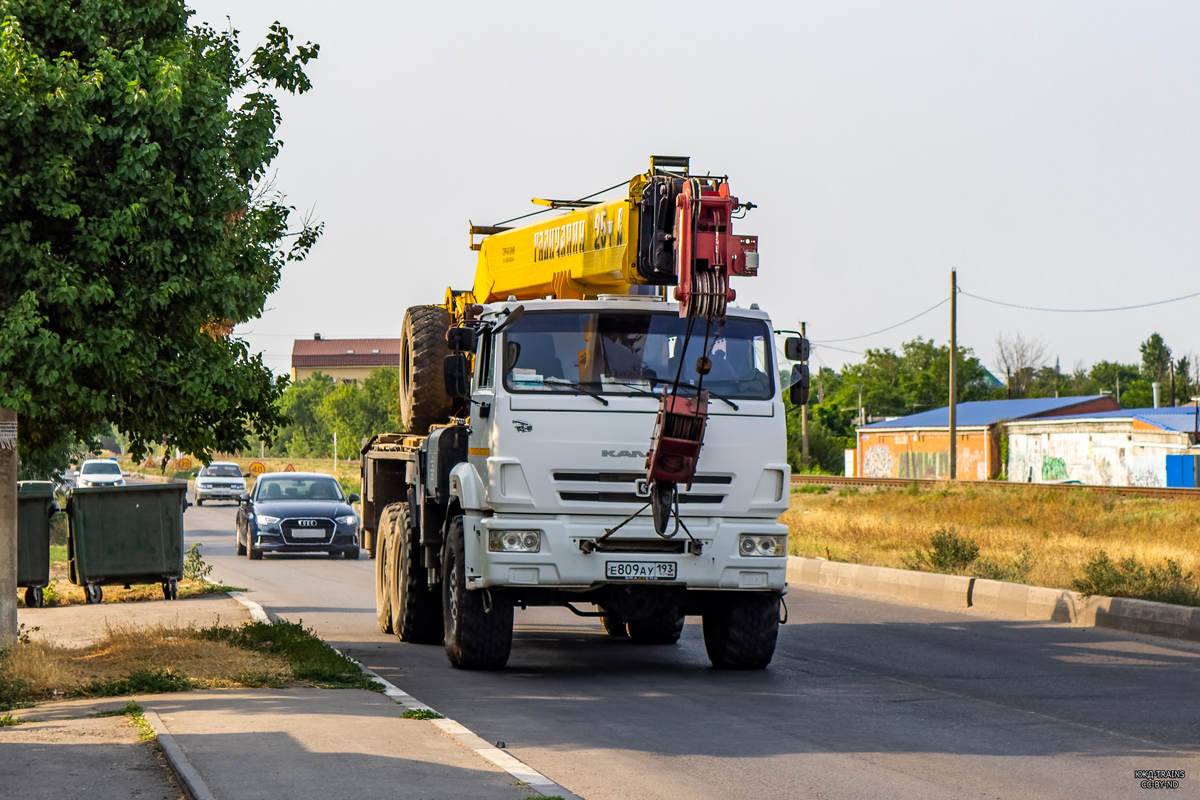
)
(263, 519)
(238, 486)
(753, 544)
(514, 541)
(349, 519)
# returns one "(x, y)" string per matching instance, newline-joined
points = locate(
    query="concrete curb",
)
(1009, 600)
(514, 766)
(189, 780)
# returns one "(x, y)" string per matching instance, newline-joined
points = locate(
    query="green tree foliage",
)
(136, 223)
(1156, 358)
(318, 407)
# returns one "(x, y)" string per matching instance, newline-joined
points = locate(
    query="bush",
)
(194, 568)
(948, 552)
(1166, 583)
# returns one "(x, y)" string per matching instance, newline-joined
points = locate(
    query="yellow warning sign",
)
(183, 463)
(257, 468)
(289, 468)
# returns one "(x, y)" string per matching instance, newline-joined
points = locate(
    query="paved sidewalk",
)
(243, 744)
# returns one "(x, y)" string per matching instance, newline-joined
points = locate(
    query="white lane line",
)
(505, 761)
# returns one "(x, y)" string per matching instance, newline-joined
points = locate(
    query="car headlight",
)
(239, 486)
(263, 519)
(754, 544)
(349, 519)
(514, 541)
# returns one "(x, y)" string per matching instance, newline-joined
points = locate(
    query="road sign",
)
(184, 463)
(257, 468)
(289, 468)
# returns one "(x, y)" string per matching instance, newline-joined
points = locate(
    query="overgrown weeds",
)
(172, 659)
(1040, 536)
(421, 713)
(194, 568)
(1166, 582)
(952, 554)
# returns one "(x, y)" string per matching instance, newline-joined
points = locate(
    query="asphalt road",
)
(863, 700)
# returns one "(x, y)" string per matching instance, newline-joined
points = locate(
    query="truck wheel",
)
(476, 637)
(423, 348)
(383, 575)
(741, 633)
(663, 627)
(613, 625)
(417, 612)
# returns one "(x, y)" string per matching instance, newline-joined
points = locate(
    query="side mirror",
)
(243, 498)
(795, 348)
(124, 474)
(353, 499)
(798, 391)
(457, 376)
(245, 474)
(461, 340)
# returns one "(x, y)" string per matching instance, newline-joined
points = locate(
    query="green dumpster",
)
(35, 505)
(122, 535)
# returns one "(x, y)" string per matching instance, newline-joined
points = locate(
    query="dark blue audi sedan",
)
(297, 512)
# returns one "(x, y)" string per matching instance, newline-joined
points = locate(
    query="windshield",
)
(633, 353)
(101, 468)
(221, 471)
(299, 489)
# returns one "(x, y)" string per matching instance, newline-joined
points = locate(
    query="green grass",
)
(810, 488)
(58, 553)
(141, 681)
(1164, 583)
(132, 707)
(310, 658)
(8, 721)
(421, 713)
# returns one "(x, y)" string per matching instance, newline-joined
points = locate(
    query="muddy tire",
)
(663, 627)
(417, 609)
(383, 575)
(741, 632)
(423, 349)
(477, 637)
(614, 626)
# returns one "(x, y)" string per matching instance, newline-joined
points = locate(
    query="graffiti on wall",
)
(924, 466)
(877, 462)
(1101, 459)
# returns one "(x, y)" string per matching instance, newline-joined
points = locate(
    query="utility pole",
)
(953, 375)
(804, 417)
(8, 527)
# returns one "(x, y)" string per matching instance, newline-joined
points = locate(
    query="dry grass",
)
(1062, 529)
(45, 669)
(66, 594)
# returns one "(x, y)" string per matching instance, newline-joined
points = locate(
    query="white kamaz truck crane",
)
(593, 426)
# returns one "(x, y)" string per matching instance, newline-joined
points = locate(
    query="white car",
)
(100, 472)
(220, 480)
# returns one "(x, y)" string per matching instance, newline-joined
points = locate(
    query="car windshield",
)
(101, 468)
(299, 489)
(634, 353)
(221, 471)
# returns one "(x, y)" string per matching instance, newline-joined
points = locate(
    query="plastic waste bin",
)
(35, 506)
(123, 535)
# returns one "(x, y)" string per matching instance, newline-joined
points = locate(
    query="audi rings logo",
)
(307, 523)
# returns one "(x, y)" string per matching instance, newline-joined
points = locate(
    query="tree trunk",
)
(8, 527)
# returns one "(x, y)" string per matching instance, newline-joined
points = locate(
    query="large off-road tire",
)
(416, 609)
(423, 349)
(613, 626)
(740, 633)
(662, 627)
(476, 637)
(383, 573)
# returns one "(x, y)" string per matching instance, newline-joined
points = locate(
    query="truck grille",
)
(621, 487)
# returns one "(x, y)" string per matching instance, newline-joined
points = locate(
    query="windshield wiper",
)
(573, 385)
(720, 397)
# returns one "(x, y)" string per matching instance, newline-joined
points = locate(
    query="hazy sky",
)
(1047, 150)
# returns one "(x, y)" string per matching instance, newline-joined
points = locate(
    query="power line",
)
(818, 345)
(937, 305)
(1081, 310)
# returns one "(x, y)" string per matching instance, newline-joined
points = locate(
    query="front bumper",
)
(344, 538)
(231, 492)
(561, 563)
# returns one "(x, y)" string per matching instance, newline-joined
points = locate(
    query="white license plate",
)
(309, 533)
(640, 570)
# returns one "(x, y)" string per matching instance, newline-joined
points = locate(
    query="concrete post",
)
(8, 527)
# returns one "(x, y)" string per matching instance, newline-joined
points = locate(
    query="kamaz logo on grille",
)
(622, 454)
(308, 523)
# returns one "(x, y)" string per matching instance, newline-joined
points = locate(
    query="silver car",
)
(220, 480)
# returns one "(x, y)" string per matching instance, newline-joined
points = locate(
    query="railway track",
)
(901, 483)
